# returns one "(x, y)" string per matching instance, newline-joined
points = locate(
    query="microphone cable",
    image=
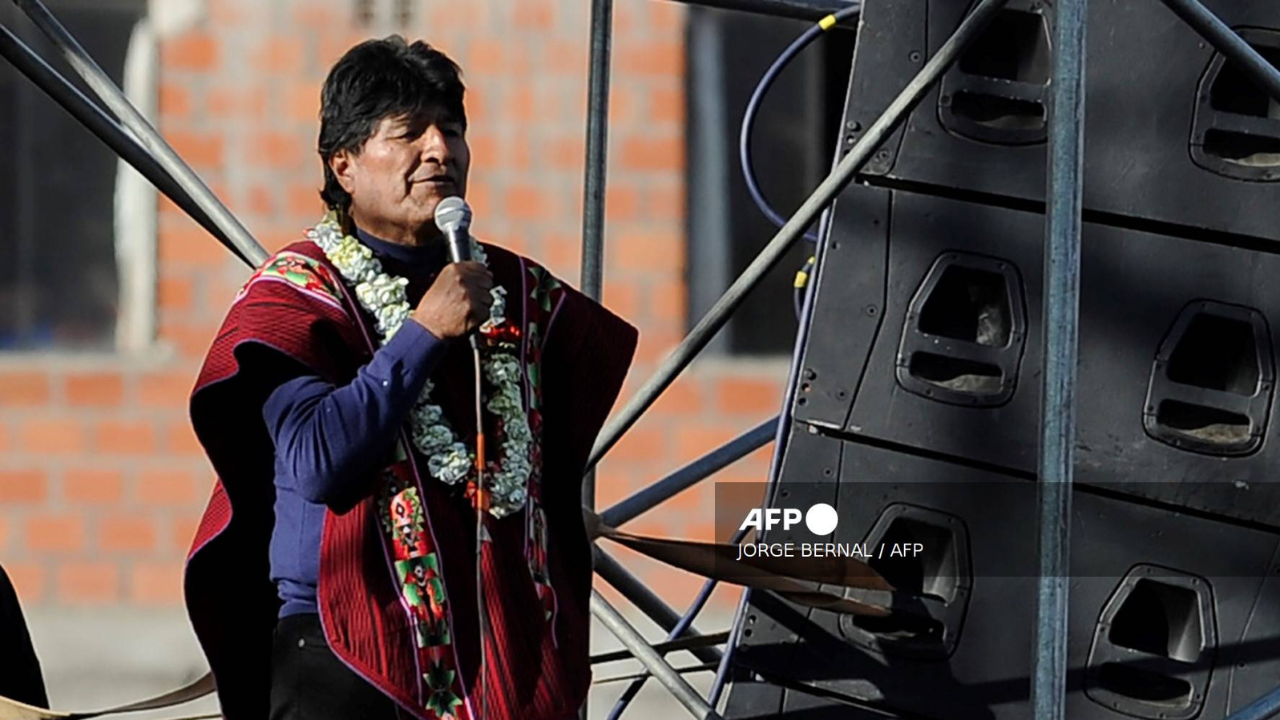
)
(480, 503)
(748, 125)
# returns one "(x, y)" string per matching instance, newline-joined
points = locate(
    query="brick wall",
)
(102, 482)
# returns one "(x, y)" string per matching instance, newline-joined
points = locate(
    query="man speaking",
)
(336, 571)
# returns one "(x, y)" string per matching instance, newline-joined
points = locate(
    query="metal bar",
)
(1265, 707)
(1229, 43)
(812, 10)
(653, 662)
(648, 602)
(1062, 319)
(107, 130)
(143, 132)
(794, 229)
(690, 475)
(666, 647)
(686, 621)
(592, 280)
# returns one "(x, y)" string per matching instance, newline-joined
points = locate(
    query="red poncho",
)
(410, 627)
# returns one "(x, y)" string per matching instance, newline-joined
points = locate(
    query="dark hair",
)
(378, 79)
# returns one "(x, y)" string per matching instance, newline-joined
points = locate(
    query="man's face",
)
(405, 169)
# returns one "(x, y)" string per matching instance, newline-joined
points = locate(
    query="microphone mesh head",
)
(453, 213)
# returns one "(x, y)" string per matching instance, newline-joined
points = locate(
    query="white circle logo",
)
(821, 519)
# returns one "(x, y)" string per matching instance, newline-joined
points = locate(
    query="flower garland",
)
(448, 459)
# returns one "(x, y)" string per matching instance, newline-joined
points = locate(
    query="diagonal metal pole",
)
(1229, 43)
(26, 61)
(652, 661)
(1063, 225)
(686, 477)
(647, 601)
(794, 229)
(143, 132)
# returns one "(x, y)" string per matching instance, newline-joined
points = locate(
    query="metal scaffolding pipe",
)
(646, 600)
(812, 10)
(27, 62)
(592, 280)
(690, 475)
(794, 229)
(1061, 321)
(146, 135)
(1229, 43)
(653, 662)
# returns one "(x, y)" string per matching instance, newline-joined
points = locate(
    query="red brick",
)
(566, 57)
(486, 56)
(182, 531)
(526, 202)
(189, 244)
(534, 15)
(640, 444)
(302, 102)
(277, 150)
(656, 343)
(29, 581)
(666, 301)
(23, 389)
(303, 199)
(316, 17)
(651, 58)
(562, 256)
(94, 389)
(622, 297)
(682, 398)
(666, 104)
(193, 51)
(520, 152)
(198, 149)
(665, 202)
(280, 55)
(175, 101)
(23, 486)
(167, 487)
(748, 396)
(191, 340)
(648, 250)
(621, 202)
(665, 19)
(648, 154)
(126, 533)
(262, 200)
(521, 106)
(180, 439)
(694, 441)
(166, 389)
(156, 584)
(88, 583)
(174, 293)
(567, 154)
(124, 437)
(55, 533)
(92, 486)
(51, 435)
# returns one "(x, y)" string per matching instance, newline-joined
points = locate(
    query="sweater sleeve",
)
(328, 437)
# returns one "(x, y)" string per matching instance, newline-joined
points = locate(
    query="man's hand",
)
(457, 302)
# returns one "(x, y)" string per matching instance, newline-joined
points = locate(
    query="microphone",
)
(453, 217)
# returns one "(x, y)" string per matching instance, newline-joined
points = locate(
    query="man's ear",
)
(341, 165)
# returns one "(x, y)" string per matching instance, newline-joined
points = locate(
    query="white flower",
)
(448, 460)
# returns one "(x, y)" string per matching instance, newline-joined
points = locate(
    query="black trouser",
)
(308, 682)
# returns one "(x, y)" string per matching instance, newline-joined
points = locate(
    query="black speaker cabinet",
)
(927, 336)
(1173, 133)
(1172, 616)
